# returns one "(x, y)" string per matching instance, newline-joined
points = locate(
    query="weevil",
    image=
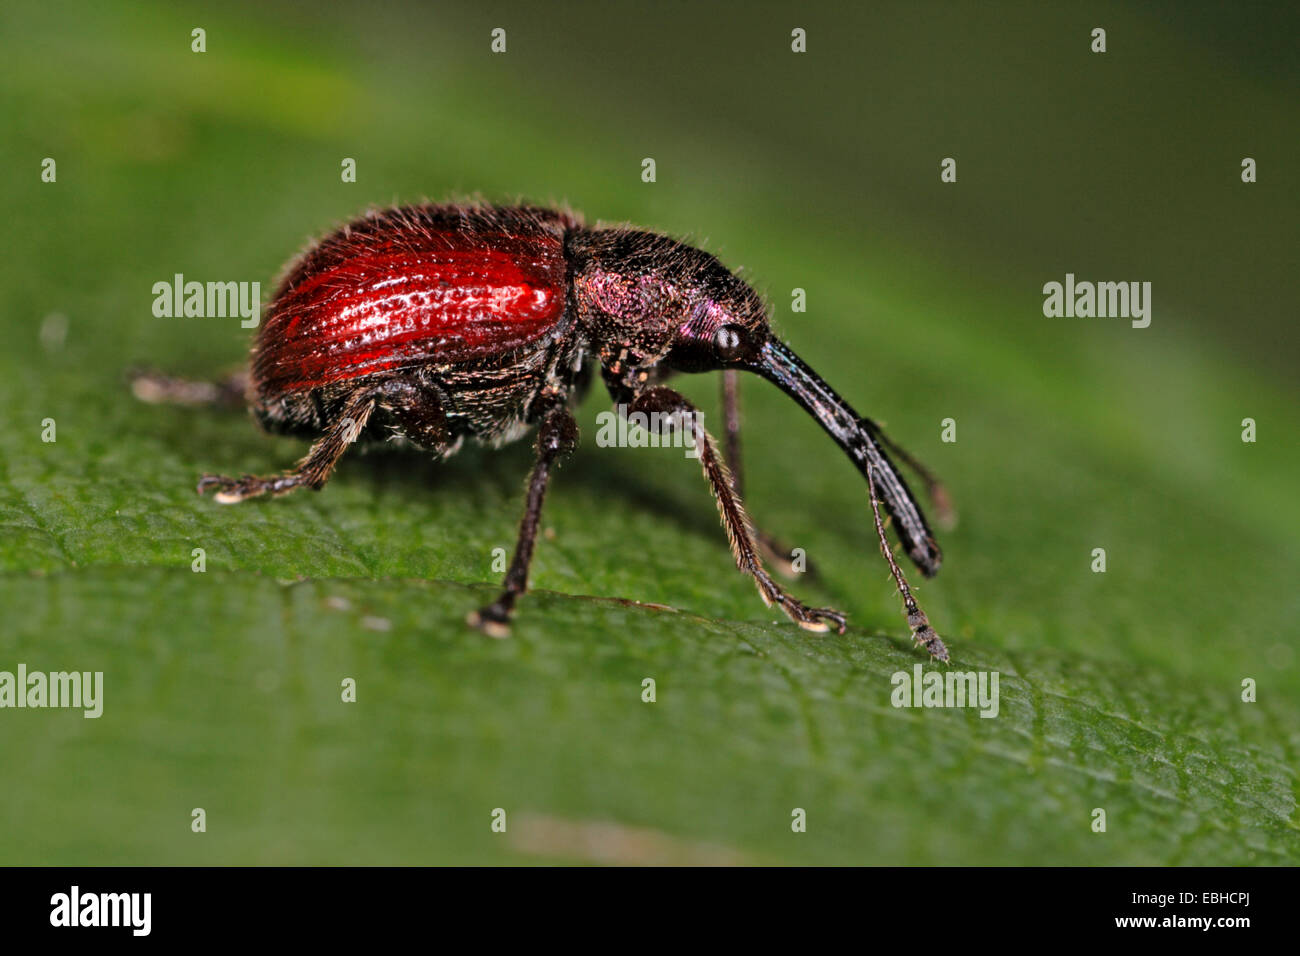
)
(430, 324)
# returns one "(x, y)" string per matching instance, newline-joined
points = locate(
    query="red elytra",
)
(364, 302)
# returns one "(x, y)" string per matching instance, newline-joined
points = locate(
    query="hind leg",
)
(156, 388)
(313, 471)
(556, 438)
(418, 411)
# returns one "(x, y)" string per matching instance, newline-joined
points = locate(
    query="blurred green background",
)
(820, 171)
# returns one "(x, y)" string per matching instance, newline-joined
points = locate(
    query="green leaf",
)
(223, 689)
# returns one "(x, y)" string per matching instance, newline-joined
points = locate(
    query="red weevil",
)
(434, 323)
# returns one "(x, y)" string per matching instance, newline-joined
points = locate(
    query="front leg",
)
(772, 550)
(922, 632)
(557, 436)
(668, 403)
(938, 492)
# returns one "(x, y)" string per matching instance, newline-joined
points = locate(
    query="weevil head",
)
(645, 301)
(659, 302)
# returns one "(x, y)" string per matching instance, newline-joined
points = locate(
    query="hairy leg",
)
(775, 553)
(557, 436)
(666, 402)
(156, 388)
(936, 490)
(417, 410)
(922, 632)
(312, 471)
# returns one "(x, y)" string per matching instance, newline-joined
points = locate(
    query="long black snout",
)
(778, 363)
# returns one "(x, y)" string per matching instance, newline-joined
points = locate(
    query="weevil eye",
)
(730, 342)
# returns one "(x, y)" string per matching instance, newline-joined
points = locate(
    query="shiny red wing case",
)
(413, 286)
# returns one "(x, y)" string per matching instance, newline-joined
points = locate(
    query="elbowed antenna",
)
(779, 364)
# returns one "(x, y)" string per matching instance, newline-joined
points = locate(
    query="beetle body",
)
(431, 324)
(467, 303)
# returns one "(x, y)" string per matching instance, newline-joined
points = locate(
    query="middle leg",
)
(557, 436)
